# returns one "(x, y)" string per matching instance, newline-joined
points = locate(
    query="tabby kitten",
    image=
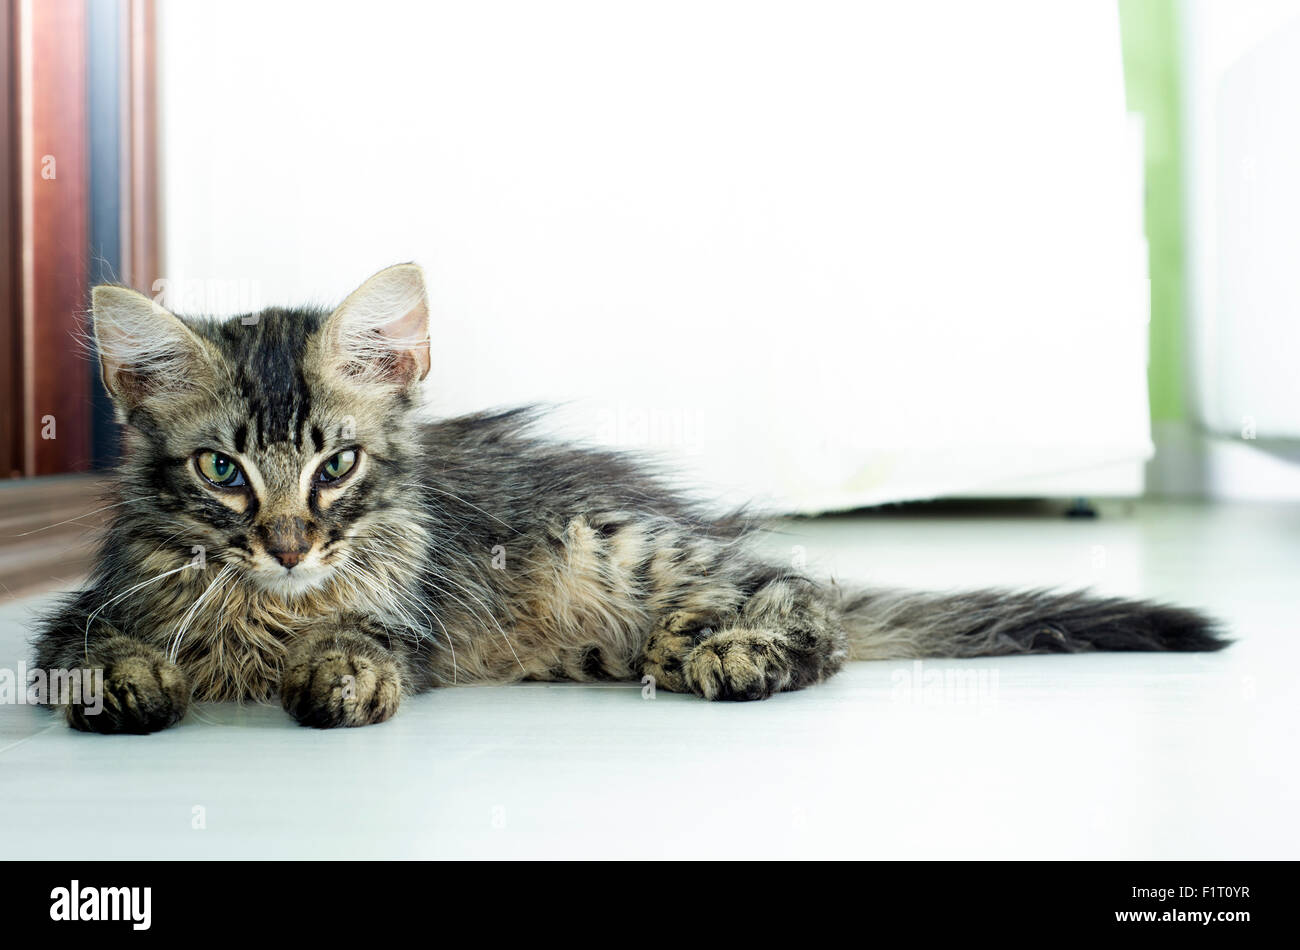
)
(284, 524)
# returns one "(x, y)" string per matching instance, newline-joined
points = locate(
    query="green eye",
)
(337, 466)
(219, 470)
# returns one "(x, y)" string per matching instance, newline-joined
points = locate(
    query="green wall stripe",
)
(1151, 77)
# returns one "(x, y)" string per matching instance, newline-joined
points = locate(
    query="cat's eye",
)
(219, 469)
(337, 466)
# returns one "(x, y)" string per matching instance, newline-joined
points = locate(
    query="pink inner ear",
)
(143, 350)
(408, 337)
(382, 329)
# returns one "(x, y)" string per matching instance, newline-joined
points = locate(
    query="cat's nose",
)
(287, 540)
(289, 558)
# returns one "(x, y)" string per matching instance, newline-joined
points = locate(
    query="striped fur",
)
(462, 551)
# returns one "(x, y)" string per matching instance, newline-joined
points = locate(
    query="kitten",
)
(285, 525)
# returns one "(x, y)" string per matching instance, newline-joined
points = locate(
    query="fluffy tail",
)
(889, 624)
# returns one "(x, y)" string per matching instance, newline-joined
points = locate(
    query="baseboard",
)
(1192, 463)
(1113, 480)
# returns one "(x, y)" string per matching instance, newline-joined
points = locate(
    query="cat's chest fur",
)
(234, 646)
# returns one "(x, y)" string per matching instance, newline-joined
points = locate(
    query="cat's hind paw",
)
(738, 664)
(664, 652)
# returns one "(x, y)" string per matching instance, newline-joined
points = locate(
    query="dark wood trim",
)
(11, 443)
(53, 187)
(142, 146)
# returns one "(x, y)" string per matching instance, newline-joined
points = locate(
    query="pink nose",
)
(289, 558)
(287, 539)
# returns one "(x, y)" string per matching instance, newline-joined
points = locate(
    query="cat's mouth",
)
(291, 582)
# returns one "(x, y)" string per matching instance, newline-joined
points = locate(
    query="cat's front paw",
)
(142, 691)
(340, 681)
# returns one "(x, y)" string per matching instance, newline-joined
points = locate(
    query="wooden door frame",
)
(46, 379)
(10, 241)
(53, 412)
(141, 114)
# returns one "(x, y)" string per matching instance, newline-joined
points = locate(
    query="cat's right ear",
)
(144, 350)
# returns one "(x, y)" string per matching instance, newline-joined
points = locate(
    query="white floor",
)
(1100, 756)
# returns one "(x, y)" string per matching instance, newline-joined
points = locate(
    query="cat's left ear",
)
(380, 333)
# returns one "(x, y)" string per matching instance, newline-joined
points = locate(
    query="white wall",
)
(1242, 148)
(824, 254)
(1241, 73)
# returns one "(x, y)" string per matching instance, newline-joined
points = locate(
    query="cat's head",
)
(279, 442)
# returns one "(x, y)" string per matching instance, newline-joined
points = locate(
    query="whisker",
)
(374, 580)
(469, 505)
(428, 573)
(226, 599)
(354, 569)
(84, 514)
(190, 614)
(100, 608)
